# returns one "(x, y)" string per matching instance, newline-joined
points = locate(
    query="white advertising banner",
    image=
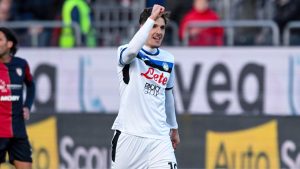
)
(74, 80)
(209, 80)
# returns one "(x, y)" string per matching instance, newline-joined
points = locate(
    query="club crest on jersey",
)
(165, 66)
(19, 71)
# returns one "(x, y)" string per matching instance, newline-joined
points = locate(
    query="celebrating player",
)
(146, 128)
(14, 72)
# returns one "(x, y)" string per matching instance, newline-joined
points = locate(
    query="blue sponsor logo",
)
(89, 100)
(294, 84)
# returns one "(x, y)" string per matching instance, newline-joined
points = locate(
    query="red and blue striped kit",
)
(13, 76)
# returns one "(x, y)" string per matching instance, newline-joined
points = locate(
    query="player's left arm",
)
(171, 118)
(30, 92)
(170, 111)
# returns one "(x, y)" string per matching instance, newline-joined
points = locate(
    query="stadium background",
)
(237, 105)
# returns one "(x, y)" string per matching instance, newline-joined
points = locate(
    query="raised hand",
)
(157, 11)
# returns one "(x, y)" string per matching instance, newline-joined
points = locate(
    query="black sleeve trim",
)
(169, 88)
(120, 57)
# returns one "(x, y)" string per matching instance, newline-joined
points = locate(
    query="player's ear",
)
(10, 44)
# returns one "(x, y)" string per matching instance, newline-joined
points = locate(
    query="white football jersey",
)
(142, 89)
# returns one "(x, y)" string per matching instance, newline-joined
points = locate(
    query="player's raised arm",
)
(141, 36)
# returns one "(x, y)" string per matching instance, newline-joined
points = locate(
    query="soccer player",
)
(146, 128)
(14, 73)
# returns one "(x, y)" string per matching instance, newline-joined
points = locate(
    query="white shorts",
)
(134, 152)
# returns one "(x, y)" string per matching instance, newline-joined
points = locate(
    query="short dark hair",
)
(147, 12)
(10, 36)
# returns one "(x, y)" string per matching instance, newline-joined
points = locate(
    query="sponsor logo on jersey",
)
(151, 89)
(19, 71)
(14, 86)
(159, 78)
(4, 87)
(9, 98)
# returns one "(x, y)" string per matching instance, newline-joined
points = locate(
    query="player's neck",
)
(5, 59)
(149, 49)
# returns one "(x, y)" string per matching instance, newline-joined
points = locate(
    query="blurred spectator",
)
(80, 12)
(286, 11)
(8, 14)
(36, 10)
(201, 36)
(125, 3)
(179, 9)
(5, 10)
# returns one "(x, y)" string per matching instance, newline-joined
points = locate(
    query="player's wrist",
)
(174, 130)
(152, 18)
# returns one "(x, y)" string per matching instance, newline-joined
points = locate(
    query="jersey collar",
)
(150, 51)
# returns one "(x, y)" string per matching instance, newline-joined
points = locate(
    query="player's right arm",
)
(128, 53)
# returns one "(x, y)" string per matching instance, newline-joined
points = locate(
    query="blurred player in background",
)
(146, 128)
(14, 72)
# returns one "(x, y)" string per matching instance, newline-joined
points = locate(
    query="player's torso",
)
(152, 72)
(11, 89)
(149, 74)
(11, 82)
(143, 97)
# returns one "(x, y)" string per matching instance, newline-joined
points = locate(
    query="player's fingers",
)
(177, 141)
(158, 9)
(174, 145)
(26, 115)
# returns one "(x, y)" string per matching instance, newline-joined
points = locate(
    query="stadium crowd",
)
(110, 23)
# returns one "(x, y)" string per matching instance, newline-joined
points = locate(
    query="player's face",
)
(4, 45)
(157, 33)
